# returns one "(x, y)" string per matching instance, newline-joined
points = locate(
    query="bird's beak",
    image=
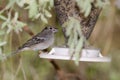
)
(55, 30)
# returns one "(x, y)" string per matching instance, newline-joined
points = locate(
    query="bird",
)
(40, 41)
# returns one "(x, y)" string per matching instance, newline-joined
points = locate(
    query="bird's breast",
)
(40, 46)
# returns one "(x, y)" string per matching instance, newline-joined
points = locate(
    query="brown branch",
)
(57, 68)
(28, 30)
(68, 76)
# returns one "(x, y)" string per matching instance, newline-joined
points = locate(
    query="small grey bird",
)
(41, 41)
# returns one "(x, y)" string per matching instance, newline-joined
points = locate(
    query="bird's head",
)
(50, 28)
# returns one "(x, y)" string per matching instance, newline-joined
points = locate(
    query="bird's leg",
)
(47, 50)
(38, 51)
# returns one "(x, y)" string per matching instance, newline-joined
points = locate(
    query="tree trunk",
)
(69, 8)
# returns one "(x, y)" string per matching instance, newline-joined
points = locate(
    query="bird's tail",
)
(12, 54)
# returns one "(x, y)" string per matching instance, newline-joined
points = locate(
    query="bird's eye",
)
(50, 28)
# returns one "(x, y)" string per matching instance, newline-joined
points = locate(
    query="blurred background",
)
(28, 66)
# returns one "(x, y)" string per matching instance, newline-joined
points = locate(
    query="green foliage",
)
(101, 3)
(33, 8)
(43, 12)
(12, 23)
(38, 8)
(8, 6)
(85, 5)
(76, 39)
(2, 43)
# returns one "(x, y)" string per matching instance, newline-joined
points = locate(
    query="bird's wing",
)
(35, 40)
